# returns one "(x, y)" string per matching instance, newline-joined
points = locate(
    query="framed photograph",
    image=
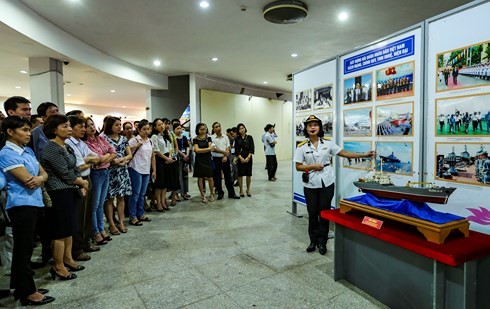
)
(323, 97)
(357, 122)
(394, 119)
(358, 89)
(327, 123)
(463, 162)
(299, 125)
(359, 147)
(395, 157)
(395, 82)
(463, 116)
(303, 101)
(464, 67)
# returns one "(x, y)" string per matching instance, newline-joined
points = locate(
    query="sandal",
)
(123, 229)
(187, 197)
(204, 200)
(135, 222)
(211, 198)
(144, 219)
(113, 230)
(99, 242)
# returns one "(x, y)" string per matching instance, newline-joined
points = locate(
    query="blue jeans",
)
(139, 183)
(100, 185)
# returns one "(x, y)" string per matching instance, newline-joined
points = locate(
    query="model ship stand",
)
(436, 233)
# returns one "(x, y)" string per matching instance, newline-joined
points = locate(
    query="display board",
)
(314, 94)
(380, 109)
(458, 112)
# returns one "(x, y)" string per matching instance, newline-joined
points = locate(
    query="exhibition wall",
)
(420, 99)
(230, 109)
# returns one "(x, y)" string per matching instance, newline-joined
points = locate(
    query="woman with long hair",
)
(161, 145)
(244, 150)
(99, 175)
(139, 172)
(24, 178)
(119, 181)
(203, 162)
(183, 151)
(64, 186)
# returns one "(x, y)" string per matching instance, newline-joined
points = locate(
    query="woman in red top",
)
(99, 175)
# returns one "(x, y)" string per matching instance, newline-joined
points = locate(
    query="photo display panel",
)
(380, 109)
(314, 94)
(458, 112)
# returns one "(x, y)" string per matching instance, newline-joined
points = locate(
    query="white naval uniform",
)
(307, 154)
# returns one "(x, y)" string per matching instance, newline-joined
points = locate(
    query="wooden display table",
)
(433, 232)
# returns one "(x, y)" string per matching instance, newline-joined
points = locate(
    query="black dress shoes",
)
(311, 247)
(322, 249)
(46, 299)
(220, 196)
(236, 197)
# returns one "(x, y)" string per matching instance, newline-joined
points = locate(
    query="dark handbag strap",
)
(7, 219)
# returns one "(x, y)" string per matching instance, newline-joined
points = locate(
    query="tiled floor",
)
(247, 253)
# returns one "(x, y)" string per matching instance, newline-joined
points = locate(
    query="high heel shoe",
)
(211, 198)
(99, 242)
(203, 199)
(46, 299)
(76, 268)
(54, 274)
(248, 194)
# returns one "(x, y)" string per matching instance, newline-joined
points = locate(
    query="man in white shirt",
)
(270, 151)
(221, 163)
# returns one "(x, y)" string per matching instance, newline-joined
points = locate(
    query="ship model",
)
(380, 184)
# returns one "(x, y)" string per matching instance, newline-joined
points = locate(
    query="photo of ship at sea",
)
(357, 147)
(357, 122)
(463, 162)
(394, 119)
(394, 157)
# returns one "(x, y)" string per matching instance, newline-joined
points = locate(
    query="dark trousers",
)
(271, 162)
(81, 239)
(23, 226)
(317, 200)
(220, 166)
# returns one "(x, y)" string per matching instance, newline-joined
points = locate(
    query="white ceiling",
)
(185, 38)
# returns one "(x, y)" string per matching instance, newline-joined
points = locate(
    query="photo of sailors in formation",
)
(358, 147)
(358, 89)
(303, 100)
(464, 67)
(394, 119)
(357, 122)
(394, 157)
(469, 115)
(395, 81)
(463, 162)
(323, 97)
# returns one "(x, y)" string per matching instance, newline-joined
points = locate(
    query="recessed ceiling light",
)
(265, 82)
(23, 72)
(343, 16)
(214, 59)
(18, 87)
(123, 106)
(157, 63)
(113, 90)
(204, 4)
(68, 95)
(294, 55)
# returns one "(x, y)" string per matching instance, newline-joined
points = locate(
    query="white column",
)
(46, 82)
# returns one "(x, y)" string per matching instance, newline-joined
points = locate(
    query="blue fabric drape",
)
(405, 207)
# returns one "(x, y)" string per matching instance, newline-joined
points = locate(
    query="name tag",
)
(372, 222)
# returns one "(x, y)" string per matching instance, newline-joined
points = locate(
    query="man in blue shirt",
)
(38, 139)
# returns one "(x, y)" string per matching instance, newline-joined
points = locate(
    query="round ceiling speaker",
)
(285, 12)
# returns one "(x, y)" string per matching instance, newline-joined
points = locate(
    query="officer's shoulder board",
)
(302, 143)
(326, 139)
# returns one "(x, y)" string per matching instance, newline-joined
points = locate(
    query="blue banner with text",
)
(390, 52)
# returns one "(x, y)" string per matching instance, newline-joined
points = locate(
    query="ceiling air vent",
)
(285, 12)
